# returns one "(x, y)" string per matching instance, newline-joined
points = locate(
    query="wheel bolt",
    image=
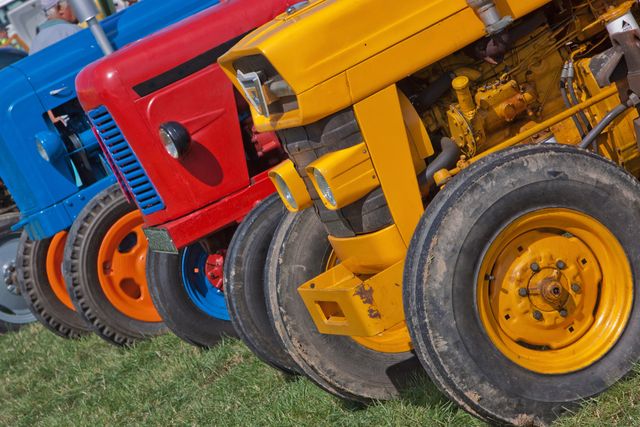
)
(535, 267)
(523, 292)
(537, 315)
(576, 288)
(564, 313)
(561, 265)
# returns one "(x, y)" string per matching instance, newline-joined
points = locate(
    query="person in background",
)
(60, 24)
(4, 37)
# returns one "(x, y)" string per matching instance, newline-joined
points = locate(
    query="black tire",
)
(244, 284)
(176, 308)
(14, 311)
(81, 271)
(299, 252)
(445, 256)
(34, 286)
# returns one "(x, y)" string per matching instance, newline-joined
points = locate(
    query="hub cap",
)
(202, 279)
(13, 308)
(122, 269)
(555, 291)
(55, 255)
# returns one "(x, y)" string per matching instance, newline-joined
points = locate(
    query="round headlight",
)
(285, 192)
(175, 138)
(323, 186)
(49, 145)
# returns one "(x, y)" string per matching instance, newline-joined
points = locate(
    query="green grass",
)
(45, 380)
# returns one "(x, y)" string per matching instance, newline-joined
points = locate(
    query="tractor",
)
(192, 136)
(463, 192)
(14, 311)
(52, 165)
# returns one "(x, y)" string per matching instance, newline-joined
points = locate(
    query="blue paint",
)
(50, 195)
(202, 293)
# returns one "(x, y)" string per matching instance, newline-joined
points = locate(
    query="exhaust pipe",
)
(87, 11)
(486, 10)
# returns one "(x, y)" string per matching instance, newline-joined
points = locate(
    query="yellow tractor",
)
(463, 193)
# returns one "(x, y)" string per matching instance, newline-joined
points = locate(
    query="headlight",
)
(323, 187)
(290, 186)
(49, 145)
(175, 138)
(252, 87)
(284, 190)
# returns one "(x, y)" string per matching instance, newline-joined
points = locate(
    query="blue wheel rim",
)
(200, 290)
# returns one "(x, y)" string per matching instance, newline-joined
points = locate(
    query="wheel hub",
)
(556, 291)
(9, 276)
(214, 268)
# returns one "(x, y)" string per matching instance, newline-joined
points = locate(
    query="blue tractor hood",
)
(46, 80)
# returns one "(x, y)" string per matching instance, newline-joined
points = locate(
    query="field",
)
(45, 380)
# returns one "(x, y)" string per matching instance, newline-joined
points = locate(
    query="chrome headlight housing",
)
(175, 138)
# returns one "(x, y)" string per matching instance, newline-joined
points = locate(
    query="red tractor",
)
(181, 141)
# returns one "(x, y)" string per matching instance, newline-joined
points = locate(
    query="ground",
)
(45, 380)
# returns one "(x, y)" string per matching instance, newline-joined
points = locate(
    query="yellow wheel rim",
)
(555, 291)
(394, 340)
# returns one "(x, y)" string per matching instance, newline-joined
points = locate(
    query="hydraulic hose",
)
(447, 159)
(567, 104)
(592, 137)
(574, 98)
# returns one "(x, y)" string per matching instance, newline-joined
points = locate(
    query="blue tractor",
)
(53, 167)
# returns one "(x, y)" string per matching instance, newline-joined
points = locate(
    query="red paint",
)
(212, 185)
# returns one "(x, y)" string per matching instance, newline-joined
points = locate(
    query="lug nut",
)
(561, 265)
(564, 313)
(537, 315)
(535, 267)
(576, 288)
(523, 292)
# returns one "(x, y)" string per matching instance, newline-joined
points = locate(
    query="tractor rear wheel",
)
(345, 366)
(187, 291)
(520, 283)
(14, 311)
(105, 270)
(39, 276)
(244, 284)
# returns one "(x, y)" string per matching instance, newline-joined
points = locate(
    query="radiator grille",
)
(125, 160)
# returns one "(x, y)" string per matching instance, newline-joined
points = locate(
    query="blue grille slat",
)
(140, 187)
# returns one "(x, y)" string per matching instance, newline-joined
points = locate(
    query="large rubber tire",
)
(244, 284)
(447, 254)
(177, 309)
(14, 311)
(35, 287)
(299, 252)
(82, 277)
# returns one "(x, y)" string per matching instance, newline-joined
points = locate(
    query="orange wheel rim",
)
(55, 255)
(122, 269)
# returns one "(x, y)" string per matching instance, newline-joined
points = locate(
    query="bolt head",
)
(537, 315)
(564, 313)
(576, 288)
(523, 292)
(535, 267)
(561, 265)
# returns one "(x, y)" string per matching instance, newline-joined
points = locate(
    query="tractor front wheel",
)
(520, 283)
(105, 270)
(244, 284)
(39, 276)
(353, 368)
(187, 291)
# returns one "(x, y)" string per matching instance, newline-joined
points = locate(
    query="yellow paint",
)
(390, 150)
(569, 309)
(349, 174)
(365, 47)
(370, 253)
(286, 173)
(341, 303)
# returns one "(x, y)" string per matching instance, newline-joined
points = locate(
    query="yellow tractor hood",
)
(346, 50)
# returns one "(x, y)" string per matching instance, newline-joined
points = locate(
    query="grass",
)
(45, 380)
